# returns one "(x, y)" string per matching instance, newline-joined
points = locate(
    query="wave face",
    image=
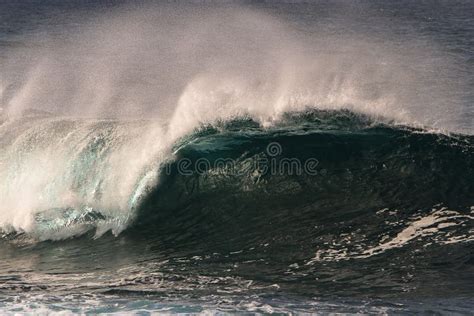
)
(238, 206)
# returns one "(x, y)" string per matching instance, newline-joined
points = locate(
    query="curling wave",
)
(66, 177)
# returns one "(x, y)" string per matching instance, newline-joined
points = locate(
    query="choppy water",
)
(251, 157)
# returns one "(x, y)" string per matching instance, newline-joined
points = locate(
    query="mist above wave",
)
(194, 64)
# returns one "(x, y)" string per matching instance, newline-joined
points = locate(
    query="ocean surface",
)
(254, 157)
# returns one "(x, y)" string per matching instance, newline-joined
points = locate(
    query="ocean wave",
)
(66, 177)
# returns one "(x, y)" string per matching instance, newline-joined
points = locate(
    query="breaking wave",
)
(65, 177)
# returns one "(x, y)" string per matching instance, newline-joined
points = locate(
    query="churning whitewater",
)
(189, 158)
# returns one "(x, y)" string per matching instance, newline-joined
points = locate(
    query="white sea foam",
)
(435, 225)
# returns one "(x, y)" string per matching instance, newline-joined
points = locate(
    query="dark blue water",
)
(249, 157)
